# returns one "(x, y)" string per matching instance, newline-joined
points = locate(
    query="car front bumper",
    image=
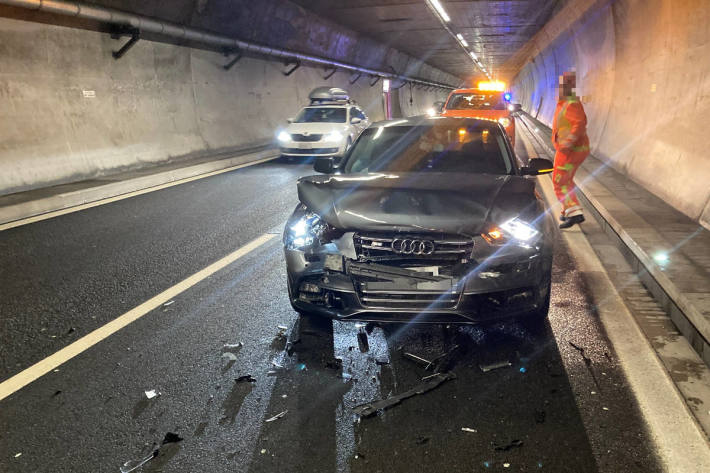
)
(316, 148)
(496, 293)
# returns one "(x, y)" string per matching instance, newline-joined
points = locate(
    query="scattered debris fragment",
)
(422, 440)
(151, 394)
(171, 437)
(57, 393)
(381, 361)
(246, 378)
(605, 408)
(232, 347)
(133, 465)
(587, 362)
(369, 328)
(418, 359)
(263, 451)
(469, 429)
(71, 330)
(371, 408)
(277, 416)
(523, 369)
(229, 356)
(168, 303)
(506, 465)
(362, 341)
(276, 365)
(507, 446)
(429, 377)
(301, 366)
(17, 455)
(494, 366)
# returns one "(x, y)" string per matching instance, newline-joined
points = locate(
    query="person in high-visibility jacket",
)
(569, 136)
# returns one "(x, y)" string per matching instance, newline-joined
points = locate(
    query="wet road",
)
(554, 409)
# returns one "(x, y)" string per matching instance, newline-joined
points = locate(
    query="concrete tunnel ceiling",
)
(494, 29)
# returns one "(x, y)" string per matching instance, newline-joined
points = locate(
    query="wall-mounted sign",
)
(89, 94)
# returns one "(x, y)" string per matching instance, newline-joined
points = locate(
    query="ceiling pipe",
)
(174, 30)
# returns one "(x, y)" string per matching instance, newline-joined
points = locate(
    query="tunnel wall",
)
(69, 111)
(643, 75)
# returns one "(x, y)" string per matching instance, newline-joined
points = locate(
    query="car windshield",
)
(476, 101)
(456, 148)
(321, 115)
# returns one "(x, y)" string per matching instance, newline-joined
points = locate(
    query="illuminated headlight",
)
(304, 230)
(504, 121)
(334, 136)
(514, 229)
(431, 112)
(283, 136)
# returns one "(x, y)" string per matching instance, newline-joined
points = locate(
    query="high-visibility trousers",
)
(566, 165)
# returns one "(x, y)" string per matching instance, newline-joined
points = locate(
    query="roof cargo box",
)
(328, 94)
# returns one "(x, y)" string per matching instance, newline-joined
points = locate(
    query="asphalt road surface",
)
(221, 368)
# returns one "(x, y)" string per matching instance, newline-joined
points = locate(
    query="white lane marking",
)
(680, 442)
(46, 365)
(108, 200)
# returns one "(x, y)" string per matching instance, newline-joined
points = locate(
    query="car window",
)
(358, 113)
(476, 149)
(321, 115)
(476, 101)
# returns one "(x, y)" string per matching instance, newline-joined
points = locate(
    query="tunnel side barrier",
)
(675, 269)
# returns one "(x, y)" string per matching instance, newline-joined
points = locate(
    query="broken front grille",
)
(407, 299)
(407, 246)
(301, 137)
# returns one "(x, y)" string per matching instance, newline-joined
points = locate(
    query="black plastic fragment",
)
(507, 446)
(247, 378)
(171, 437)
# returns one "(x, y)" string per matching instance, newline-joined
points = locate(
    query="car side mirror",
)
(355, 120)
(537, 166)
(324, 165)
(290, 120)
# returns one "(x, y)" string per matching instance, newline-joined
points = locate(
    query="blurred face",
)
(568, 84)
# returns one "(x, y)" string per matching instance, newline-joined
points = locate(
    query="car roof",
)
(421, 120)
(474, 91)
(331, 105)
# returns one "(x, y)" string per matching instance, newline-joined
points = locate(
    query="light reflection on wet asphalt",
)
(544, 399)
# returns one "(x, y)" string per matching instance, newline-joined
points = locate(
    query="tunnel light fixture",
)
(474, 57)
(440, 10)
(463, 41)
(386, 85)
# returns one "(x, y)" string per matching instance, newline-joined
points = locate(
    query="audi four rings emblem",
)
(409, 246)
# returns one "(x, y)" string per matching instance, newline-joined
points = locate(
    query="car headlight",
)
(513, 229)
(431, 112)
(304, 229)
(505, 121)
(334, 136)
(283, 136)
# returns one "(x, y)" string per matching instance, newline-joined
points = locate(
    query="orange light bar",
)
(494, 85)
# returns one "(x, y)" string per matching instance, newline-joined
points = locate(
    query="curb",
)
(691, 323)
(15, 212)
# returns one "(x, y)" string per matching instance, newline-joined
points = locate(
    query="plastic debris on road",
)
(151, 394)
(301, 366)
(469, 429)
(133, 465)
(229, 356)
(277, 416)
(171, 437)
(507, 446)
(362, 341)
(494, 366)
(371, 408)
(17, 455)
(247, 378)
(418, 359)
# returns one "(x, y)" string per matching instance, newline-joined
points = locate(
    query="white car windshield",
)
(321, 115)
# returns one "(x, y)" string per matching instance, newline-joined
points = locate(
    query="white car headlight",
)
(283, 136)
(304, 230)
(334, 136)
(504, 121)
(514, 229)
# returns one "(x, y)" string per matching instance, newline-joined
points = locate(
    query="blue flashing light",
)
(507, 96)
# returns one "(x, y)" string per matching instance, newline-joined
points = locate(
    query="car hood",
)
(419, 202)
(313, 128)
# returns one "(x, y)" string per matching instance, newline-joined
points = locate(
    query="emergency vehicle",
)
(489, 100)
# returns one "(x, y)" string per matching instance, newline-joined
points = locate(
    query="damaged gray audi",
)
(426, 219)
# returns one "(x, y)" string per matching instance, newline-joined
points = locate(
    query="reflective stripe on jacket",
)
(569, 126)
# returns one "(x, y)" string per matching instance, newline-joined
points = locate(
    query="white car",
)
(327, 127)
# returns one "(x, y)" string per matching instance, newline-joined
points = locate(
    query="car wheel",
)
(348, 144)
